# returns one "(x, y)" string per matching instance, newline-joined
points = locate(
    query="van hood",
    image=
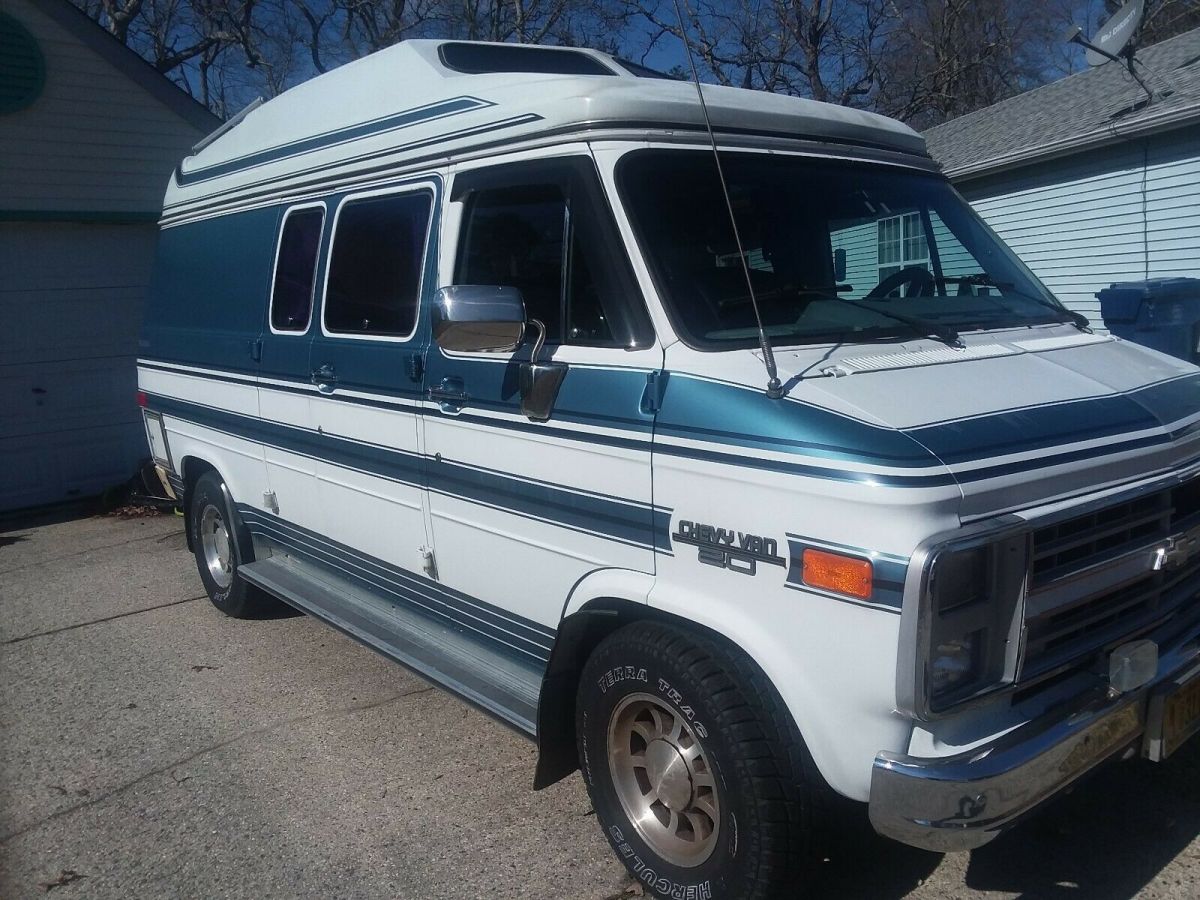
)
(1019, 418)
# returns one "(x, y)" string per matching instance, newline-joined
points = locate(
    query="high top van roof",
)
(429, 98)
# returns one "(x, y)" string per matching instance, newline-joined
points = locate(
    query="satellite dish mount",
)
(1115, 40)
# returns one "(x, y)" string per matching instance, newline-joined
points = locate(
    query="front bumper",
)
(961, 802)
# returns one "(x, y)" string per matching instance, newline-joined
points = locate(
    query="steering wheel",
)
(916, 277)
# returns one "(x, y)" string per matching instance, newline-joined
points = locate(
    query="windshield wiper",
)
(1079, 320)
(943, 333)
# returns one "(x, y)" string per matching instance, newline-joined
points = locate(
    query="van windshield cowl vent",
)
(937, 356)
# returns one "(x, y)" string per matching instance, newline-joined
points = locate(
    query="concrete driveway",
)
(150, 747)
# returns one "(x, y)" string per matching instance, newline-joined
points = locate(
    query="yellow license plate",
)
(1181, 716)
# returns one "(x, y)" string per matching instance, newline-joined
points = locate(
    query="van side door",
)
(524, 503)
(284, 388)
(366, 367)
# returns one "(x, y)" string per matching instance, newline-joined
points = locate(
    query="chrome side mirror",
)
(479, 318)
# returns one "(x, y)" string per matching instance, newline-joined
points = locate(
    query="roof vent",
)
(478, 59)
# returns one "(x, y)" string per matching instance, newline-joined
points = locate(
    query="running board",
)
(497, 685)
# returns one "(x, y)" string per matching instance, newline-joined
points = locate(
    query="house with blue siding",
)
(1088, 179)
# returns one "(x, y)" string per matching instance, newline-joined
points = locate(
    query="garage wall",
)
(83, 167)
(70, 310)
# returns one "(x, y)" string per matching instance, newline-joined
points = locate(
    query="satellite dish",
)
(1117, 32)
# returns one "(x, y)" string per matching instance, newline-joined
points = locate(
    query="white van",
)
(456, 349)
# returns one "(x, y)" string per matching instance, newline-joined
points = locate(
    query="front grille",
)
(1083, 602)
(1076, 543)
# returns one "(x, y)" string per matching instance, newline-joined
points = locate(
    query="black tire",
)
(759, 843)
(235, 597)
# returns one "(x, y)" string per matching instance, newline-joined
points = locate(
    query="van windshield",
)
(837, 251)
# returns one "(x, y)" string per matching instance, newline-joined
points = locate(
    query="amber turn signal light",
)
(847, 575)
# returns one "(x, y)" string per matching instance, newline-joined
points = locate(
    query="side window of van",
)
(296, 268)
(518, 237)
(547, 240)
(374, 279)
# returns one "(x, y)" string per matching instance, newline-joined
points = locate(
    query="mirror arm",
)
(539, 342)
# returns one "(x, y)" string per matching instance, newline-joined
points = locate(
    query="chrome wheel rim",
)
(663, 780)
(218, 552)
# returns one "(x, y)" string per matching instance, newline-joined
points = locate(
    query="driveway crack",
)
(132, 612)
(136, 540)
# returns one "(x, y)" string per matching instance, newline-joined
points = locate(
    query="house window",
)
(902, 244)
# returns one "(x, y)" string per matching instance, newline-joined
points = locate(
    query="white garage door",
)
(70, 309)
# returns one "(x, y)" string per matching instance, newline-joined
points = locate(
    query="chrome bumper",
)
(961, 802)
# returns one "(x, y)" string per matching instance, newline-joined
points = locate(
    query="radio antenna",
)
(774, 388)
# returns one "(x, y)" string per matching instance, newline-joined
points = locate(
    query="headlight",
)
(972, 620)
(954, 663)
(961, 578)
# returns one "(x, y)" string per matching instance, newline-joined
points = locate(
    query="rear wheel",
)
(695, 768)
(215, 542)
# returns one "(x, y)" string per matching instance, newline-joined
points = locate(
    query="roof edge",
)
(130, 63)
(1178, 117)
(1155, 49)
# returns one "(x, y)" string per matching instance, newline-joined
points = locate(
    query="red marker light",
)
(141, 399)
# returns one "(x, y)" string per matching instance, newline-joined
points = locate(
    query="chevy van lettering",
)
(724, 548)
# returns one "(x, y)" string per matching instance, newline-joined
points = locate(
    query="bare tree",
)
(1164, 19)
(950, 57)
(824, 49)
(208, 46)
(920, 60)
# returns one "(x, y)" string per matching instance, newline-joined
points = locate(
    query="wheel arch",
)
(578, 635)
(192, 469)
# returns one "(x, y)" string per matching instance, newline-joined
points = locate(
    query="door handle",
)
(325, 379)
(450, 394)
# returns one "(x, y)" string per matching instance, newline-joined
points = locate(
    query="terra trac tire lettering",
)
(695, 769)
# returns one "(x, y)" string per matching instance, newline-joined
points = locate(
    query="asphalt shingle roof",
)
(1074, 112)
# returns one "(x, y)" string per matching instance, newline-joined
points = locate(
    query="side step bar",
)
(497, 685)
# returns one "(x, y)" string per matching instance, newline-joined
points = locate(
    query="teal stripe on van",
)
(399, 120)
(506, 631)
(626, 521)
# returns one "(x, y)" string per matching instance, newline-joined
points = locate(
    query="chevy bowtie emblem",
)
(1176, 551)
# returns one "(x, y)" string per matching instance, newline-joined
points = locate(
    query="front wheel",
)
(695, 768)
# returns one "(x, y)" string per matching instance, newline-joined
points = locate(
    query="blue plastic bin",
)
(1163, 313)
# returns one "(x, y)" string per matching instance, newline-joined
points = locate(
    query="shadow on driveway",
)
(1104, 841)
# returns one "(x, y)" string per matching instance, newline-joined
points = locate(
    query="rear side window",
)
(374, 279)
(296, 269)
